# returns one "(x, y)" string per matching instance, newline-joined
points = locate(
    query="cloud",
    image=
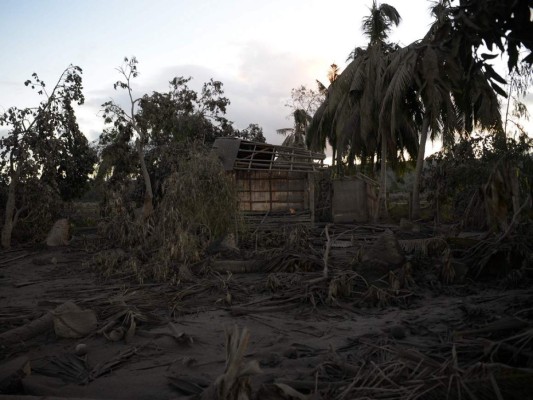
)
(258, 87)
(262, 87)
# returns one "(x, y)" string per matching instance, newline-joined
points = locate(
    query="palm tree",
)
(332, 121)
(295, 137)
(452, 92)
(352, 107)
(436, 86)
(316, 139)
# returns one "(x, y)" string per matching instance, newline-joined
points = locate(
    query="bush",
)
(198, 204)
(455, 178)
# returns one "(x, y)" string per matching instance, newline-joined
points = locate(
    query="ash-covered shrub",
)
(198, 204)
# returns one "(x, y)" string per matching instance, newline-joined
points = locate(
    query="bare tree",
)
(114, 113)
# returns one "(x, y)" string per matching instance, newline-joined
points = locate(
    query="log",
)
(34, 328)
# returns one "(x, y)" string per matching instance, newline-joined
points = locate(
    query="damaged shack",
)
(354, 199)
(275, 183)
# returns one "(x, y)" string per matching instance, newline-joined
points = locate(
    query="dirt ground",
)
(423, 340)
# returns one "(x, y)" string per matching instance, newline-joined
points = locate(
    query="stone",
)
(385, 250)
(59, 235)
(80, 349)
(75, 322)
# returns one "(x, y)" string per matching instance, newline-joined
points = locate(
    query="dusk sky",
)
(259, 50)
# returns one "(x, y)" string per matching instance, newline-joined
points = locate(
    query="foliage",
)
(439, 85)
(198, 204)
(44, 206)
(350, 112)
(164, 140)
(295, 137)
(252, 132)
(454, 176)
(447, 89)
(519, 82)
(306, 99)
(159, 126)
(199, 198)
(183, 114)
(73, 162)
(501, 23)
(303, 104)
(128, 128)
(318, 142)
(44, 152)
(38, 205)
(378, 24)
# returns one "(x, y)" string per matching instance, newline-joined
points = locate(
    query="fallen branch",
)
(326, 253)
(14, 259)
(234, 383)
(109, 365)
(514, 220)
(34, 328)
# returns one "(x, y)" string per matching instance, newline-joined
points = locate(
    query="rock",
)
(35, 327)
(116, 334)
(80, 349)
(386, 250)
(75, 322)
(59, 235)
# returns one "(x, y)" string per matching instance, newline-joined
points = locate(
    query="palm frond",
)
(401, 71)
(377, 25)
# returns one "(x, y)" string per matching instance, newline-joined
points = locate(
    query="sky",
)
(259, 50)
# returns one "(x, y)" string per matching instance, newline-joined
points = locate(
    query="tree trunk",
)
(338, 163)
(148, 207)
(7, 229)
(351, 159)
(381, 210)
(415, 212)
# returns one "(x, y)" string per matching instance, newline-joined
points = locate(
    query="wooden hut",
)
(354, 199)
(275, 183)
